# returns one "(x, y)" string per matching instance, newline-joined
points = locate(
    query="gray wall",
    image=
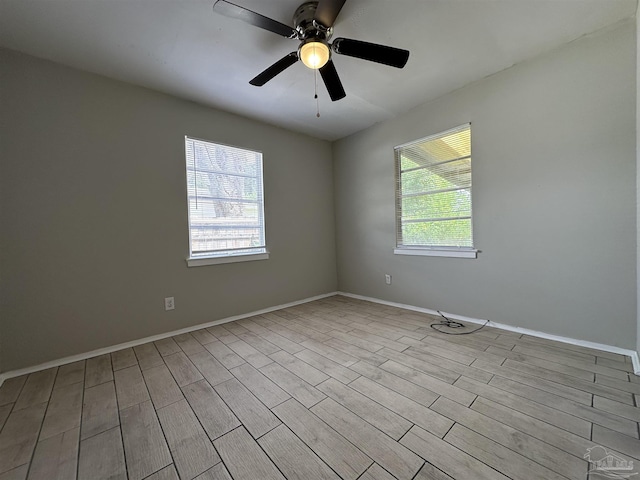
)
(94, 218)
(554, 197)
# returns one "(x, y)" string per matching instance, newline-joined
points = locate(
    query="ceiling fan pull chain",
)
(315, 76)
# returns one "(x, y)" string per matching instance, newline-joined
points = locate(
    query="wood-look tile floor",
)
(337, 388)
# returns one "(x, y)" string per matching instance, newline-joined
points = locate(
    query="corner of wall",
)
(638, 180)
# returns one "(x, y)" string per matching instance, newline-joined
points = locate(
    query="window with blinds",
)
(225, 201)
(433, 192)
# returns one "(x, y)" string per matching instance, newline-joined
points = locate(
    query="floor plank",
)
(570, 381)
(167, 346)
(182, 369)
(188, 344)
(56, 458)
(224, 354)
(501, 458)
(294, 459)
(354, 352)
(203, 336)
(102, 457)
(167, 473)
(99, 410)
(162, 387)
(536, 382)
(37, 388)
(217, 472)
(336, 451)
(250, 354)
(244, 458)
(618, 441)
(130, 387)
(98, 370)
(376, 472)
(403, 406)
(439, 372)
(19, 435)
(250, 411)
(524, 405)
(11, 388)
(145, 447)
(5, 410)
(259, 343)
(327, 366)
(192, 451)
(264, 389)
(64, 411)
(578, 410)
(69, 374)
(324, 349)
(620, 409)
(292, 384)
(123, 359)
(449, 459)
(210, 368)
(309, 374)
(398, 460)
(19, 473)
(551, 434)
(527, 446)
(380, 417)
(430, 383)
(222, 334)
(214, 415)
(148, 356)
(400, 385)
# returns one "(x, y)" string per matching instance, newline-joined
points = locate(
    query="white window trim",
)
(427, 250)
(202, 261)
(438, 252)
(222, 257)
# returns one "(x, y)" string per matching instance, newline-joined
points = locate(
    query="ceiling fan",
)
(313, 28)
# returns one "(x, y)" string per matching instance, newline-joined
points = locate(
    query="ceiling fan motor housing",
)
(307, 27)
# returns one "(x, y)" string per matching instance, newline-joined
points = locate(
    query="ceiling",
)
(183, 48)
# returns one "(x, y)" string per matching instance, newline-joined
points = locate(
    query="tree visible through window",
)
(224, 191)
(433, 191)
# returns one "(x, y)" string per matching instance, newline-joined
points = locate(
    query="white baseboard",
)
(153, 338)
(534, 333)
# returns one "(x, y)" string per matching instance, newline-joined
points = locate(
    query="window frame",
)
(225, 256)
(429, 250)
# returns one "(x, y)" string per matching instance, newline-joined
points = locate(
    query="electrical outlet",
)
(169, 303)
(387, 279)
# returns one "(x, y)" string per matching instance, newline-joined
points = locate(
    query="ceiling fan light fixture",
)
(314, 54)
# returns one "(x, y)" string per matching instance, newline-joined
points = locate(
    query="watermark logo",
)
(608, 464)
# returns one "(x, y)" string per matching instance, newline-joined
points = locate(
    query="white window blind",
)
(225, 200)
(433, 192)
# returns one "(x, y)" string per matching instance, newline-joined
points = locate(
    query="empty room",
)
(337, 239)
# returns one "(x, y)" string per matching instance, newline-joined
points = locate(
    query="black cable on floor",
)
(447, 322)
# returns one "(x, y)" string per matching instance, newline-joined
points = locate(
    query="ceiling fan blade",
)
(327, 11)
(275, 69)
(232, 10)
(394, 57)
(332, 81)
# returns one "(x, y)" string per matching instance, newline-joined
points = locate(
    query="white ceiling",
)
(183, 48)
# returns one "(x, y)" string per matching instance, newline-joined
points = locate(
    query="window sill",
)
(202, 261)
(437, 252)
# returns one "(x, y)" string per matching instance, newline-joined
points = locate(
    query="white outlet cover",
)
(169, 303)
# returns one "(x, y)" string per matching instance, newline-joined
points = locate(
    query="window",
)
(433, 195)
(225, 202)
